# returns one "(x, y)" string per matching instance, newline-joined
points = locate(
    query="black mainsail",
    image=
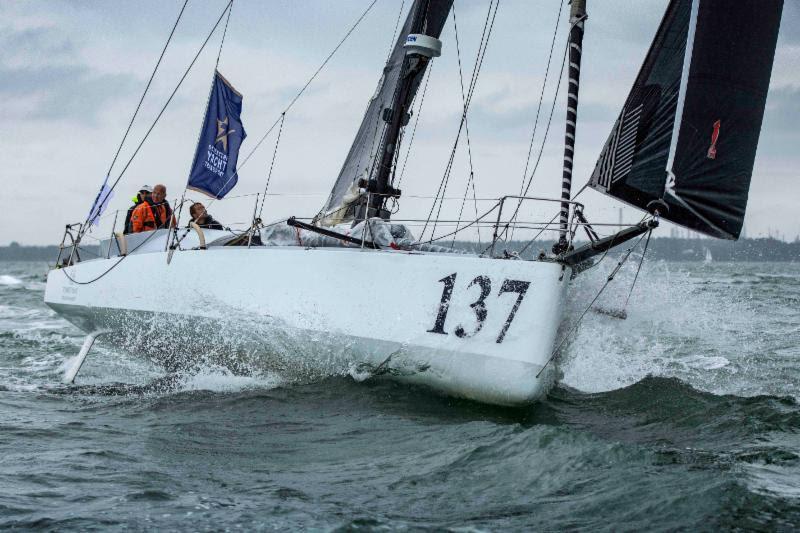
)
(372, 153)
(689, 129)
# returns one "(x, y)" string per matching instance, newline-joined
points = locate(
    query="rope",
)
(541, 98)
(638, 269)
(539, 106)
(271, 165)
(440, 237)
(171, 96)
(416, 121)
(471, 178)
(112, 267)
(603, 288)
(394, 33)
(147, 88)
(544, 141)
(224, 33)
(488, 23)
(200, 133)
(135, 113)
(473, 83)
(298, 95)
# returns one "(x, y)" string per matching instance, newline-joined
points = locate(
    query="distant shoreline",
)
(666, 248)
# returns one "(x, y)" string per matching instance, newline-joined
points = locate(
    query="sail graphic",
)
(689, 129)
(425, 16)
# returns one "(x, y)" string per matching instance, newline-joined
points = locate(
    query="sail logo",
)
(712, 151)
(222, 133)
(216, 161)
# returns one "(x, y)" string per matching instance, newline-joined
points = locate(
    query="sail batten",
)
(697, 106)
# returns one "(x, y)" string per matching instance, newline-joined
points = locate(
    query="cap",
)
(146, 188)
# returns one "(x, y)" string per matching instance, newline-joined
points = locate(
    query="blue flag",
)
(214, 168)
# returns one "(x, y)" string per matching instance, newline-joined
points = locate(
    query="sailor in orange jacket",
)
(153, 213)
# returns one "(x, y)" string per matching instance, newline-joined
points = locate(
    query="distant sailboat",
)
(355, 284)
(708, 259)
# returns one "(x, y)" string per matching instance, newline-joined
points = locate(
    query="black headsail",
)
(373, 151)
(689, 129)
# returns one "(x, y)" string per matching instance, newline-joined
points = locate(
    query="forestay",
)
(689, 129)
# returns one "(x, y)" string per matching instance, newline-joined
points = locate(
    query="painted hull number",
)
(484, 285)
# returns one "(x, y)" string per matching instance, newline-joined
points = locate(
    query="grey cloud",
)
(43, 42)
(61, 92)
(40, 67)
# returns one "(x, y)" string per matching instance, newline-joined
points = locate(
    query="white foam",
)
(221, 380)
(774, 479)
(681, 323)
(707, 363)
(358, 373)
(5, 279)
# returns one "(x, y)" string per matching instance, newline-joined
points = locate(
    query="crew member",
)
(154, 212)
(141, 196)
(201, 217)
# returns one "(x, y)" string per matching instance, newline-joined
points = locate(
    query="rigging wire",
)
(394, 33)
(471, 178)
(133, 118)
(416, 122)
(472, 223)
(488, 23)
(541, 101)
(147, 88)
(638, 269)
(549, 223)
(200, 132)
(603, 288)
(299, 94)
(473, 83)
(271, 166)
(224, 33)
(169, 100)
(544, 140)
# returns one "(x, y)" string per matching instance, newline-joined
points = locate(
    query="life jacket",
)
(148, 216)
(128, 227)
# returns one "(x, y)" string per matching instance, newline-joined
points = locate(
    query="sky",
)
(73, 72)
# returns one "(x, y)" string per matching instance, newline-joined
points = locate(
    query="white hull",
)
(276, 307)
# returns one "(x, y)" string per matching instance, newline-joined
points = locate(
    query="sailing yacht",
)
(354, 288)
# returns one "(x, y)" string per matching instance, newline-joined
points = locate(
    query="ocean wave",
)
(719, 339)
(671, 410)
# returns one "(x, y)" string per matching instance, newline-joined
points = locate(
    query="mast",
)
(365, 180)
(577, 18)
(397, 116)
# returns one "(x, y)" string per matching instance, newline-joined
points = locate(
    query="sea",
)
(683, 416)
